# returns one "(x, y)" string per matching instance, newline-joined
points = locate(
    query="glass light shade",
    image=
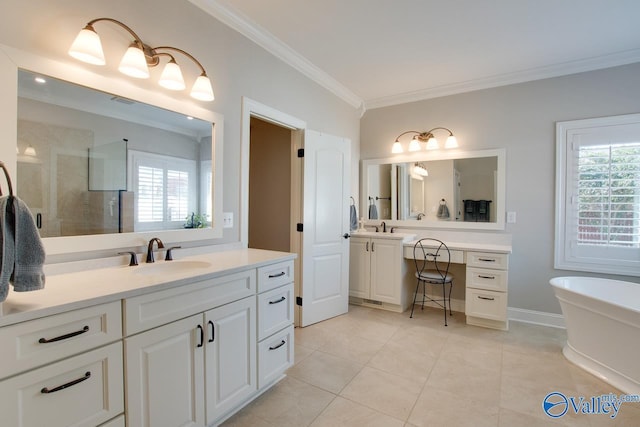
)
(30, 151)
(432, 143)
(134, 64)
(452, 142)
(414, 145)
(202, 89)
(171, 77)
(87, 47)
(397, 148)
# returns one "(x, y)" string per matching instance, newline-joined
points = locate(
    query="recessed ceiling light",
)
(189, 118)
(40, 80)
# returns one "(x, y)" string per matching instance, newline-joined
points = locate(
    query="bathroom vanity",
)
(186, 342)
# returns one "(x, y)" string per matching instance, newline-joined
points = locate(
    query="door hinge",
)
(300, 152)
(299, 301)
(299, 227)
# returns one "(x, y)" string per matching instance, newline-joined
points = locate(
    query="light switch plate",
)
(227, 220)
(511, 217)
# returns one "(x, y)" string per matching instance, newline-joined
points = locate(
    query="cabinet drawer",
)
(27, 345)
(486, 304)
(275, 355)
(272, 276)
(158, 308)
(85, 390)
(488, 260)
(457, 257)
(275, 310)
(484, 278)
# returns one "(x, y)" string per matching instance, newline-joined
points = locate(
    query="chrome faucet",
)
(150, 248)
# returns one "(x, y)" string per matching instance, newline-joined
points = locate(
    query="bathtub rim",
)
(556, 282)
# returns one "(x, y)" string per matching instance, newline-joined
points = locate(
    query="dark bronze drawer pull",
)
(487, 298)
(486, 260)
(213, 331)
(273, 276)
(277, 301)
(201, 330)
(46, 390)
(64, 337)
(487, 277)
(283, 342)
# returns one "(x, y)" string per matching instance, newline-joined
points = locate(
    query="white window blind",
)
(165, 190)
(608, 195)
(598, 195)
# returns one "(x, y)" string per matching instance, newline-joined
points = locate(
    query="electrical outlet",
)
(227, 220)
(511, 217)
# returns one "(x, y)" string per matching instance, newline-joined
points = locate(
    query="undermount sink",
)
(170, 267)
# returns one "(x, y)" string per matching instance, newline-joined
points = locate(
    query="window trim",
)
(562, 259)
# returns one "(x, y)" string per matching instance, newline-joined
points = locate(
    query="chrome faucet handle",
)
(168, 256)
(134, 258)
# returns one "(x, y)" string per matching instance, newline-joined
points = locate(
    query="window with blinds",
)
(598, 195)
(165, 190)
(608, 195)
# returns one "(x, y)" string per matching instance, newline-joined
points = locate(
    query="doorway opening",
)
(270, 197)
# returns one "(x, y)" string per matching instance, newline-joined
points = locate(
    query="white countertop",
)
(405, 237)
(466, 246)
(64, 292)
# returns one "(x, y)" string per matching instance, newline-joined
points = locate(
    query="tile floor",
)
(376, 368)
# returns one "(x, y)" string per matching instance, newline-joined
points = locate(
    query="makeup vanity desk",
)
(381, 276)
(486, 284)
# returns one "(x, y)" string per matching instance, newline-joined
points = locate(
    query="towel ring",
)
(6, 174)
(353, 201)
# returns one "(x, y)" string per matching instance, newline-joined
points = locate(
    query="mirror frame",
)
(426, 156)
(11, 60)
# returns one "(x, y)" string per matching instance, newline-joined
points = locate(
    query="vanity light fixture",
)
(420, 169)
(139, 56)
(30, 151)
(426, 137)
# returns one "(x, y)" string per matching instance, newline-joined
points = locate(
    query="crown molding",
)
(538, 73)
(254, 32)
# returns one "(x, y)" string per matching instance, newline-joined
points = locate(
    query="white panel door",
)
(325, 252)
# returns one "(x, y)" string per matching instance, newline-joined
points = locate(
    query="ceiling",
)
(374, 53)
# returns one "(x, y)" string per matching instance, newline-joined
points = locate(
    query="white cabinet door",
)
(165, 375)
(386, 256)
(359, 259)
(230, 356)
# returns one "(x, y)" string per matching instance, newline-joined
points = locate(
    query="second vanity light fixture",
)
(87, 47)
(424, 137)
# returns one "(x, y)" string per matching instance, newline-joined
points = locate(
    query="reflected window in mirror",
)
(77, 148)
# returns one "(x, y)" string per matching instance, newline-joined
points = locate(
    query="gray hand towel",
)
(443, 210)
(353, 217)
(373, 211)
(22, 250)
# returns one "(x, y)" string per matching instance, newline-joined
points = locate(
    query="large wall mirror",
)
(443, 190)
(102, 170)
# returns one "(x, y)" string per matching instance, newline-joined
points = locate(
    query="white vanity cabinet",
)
(486, 289)
(63, 370)
(191, 371)
(376, 272)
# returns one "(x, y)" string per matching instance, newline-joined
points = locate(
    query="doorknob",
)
(346, 235)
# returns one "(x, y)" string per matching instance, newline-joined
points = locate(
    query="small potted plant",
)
(195, 220)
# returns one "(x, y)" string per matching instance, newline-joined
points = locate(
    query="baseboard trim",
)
(536, 317)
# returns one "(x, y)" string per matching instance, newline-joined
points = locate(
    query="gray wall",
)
(236, 66)
(520, 118)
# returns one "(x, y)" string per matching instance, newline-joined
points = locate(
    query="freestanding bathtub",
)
(602, 317)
